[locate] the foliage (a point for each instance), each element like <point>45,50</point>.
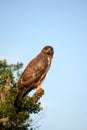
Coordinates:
<point>7,70</point>
<point>10,115</point>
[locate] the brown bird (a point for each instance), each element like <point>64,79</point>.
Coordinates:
<point>34,73</point>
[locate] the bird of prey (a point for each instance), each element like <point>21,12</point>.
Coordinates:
<point>34,73</point>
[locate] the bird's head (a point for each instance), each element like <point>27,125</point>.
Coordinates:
<point>48,50</point>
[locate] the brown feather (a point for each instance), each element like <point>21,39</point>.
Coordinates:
<point>34,73</point>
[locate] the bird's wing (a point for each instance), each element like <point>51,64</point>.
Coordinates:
<point>33,72</point>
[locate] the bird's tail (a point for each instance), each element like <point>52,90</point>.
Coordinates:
<point>19,98</point>
<point>21,93</point>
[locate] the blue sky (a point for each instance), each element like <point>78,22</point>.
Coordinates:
<point>26,26</point>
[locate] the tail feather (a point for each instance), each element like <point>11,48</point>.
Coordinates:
<point>18,100</point>
<point>21,93</point>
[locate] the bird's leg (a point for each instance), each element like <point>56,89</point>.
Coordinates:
<point>38,94</point>
<point>38,88</point>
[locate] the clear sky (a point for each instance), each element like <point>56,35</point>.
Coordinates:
<point>26,26</point>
